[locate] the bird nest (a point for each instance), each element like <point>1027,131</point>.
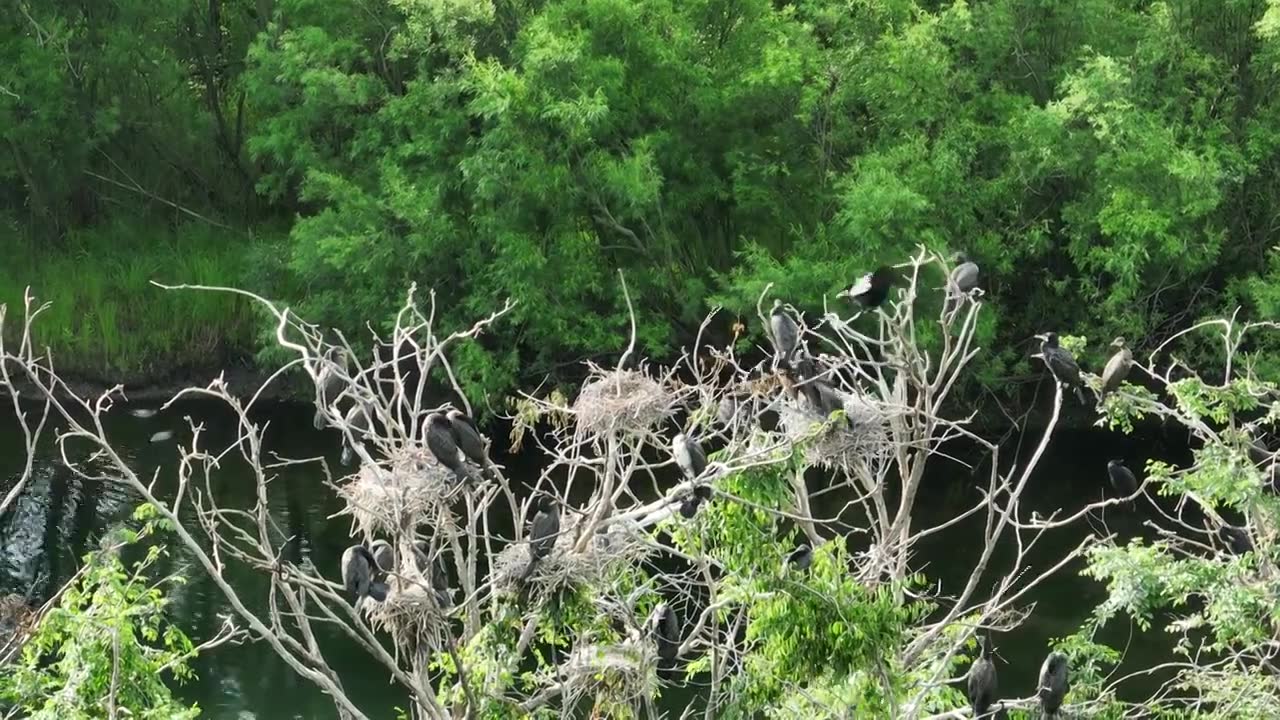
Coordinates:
<point>859,438</point>
<point>409,487</point>
<point>625,672</point>
<point>410,614</point>
<point>565,567</point>
<point>622,401</point>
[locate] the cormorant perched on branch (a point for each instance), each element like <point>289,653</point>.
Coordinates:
<point>439,578</point>
<point>689,455</point>
<point>800,558</point>
<point>872,289</point>
<point>1117,368</point>
<point>664,624</point>
<point>1235,539</point>
<point>1122,479</point>
<point>359,419</point>
<point>442,445</point>
<point>468,439</point>
<point>982,684</point>
<point>1061,363</point>
<point>357,575</point>
<point>543,529</point>
<point>964,277</point>
<point>329,382</point>
<point>786,333</point>
<point>1054,684</point>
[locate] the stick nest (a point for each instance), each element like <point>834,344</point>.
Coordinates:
<point>619,546</point>
<point>411,614</point>
<point>622,401</point>
<point>626,672</point>
<point>858,439</point>
<point>408,488</point>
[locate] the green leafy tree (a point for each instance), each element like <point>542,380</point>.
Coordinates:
<point>107,648</point>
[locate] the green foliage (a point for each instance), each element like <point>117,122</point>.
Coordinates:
<point>107,645</point>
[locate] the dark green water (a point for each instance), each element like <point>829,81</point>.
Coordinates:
<point>59,519</point>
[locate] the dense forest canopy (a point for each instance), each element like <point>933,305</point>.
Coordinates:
<point>1110,165</point>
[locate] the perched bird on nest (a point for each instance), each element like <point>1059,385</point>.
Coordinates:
<point>982,684</point>
<point>689,455</point>
<point>543,529</point>
<point>664,627</point>
<point>1117,368</point>
<point>872,289</point>
<point>1062,365</point>
<point>357,575</point>
<point>469,440</point>
<point>383,555</point>
<point>801,558</point>
<point>964,278</point>
<point>439,578</point>
<point>818,393</point>
<point>1054,684</point>
<point>329,382</point>
<point>786,333</point>
<point>442,445</point>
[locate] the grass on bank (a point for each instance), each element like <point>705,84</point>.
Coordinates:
<point>107,321</point>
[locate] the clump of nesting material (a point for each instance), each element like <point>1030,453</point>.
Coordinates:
<point>857,439</point>
<point>622,401</point>
<point>410,487</point>
<point>624,673</point>
<point>617,546</point>
<point>411,614</point>
<point>17,620</point>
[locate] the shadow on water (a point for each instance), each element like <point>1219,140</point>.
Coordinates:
<point>59,518</point>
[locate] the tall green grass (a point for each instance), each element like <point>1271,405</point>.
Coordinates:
<point>107,321</point>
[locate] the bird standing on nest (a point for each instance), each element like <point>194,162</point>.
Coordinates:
<point>383,556</point>
<point>543,529</point>
<point>469,440</point>
<point>357,575</point>
<point>786,334</point>
<point>440,442</point>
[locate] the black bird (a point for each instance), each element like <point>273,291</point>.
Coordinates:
<point>359,420</point>
<point>786,333</point>
<point>1122,479</point>
<point>357,575</point>
<point>1054,684</point>
<point>1235,539</point>
<point>383,556</point>
<point>873,289</point>
<point>543,529</point>
<point>689,507</point>
<point>689,455</point>
<point>821,396</point>
<point>1117,368</point>
<point>442,445</point>
<point>664,625</point>
<point>964,277</point>
<point>468,439</point>
<point>439,578</point>
<point>1061,364</point>
<point>800,558</point>
<point>982,680</point>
